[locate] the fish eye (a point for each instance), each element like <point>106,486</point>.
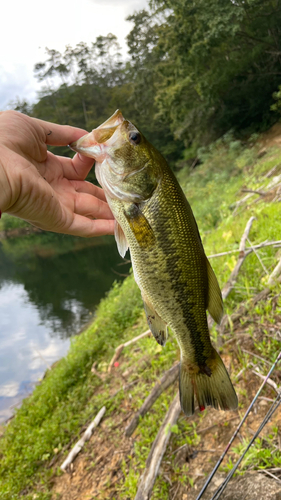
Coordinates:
<point>134,138</point>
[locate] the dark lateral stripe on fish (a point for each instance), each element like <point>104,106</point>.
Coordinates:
<point>185,296</point>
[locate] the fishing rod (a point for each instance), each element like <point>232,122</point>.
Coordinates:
<point>237,430</point>
<point>268,416</point>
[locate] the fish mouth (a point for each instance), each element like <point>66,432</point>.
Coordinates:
<point>91,144</point>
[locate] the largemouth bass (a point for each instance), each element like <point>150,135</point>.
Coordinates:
<point>176,280</point>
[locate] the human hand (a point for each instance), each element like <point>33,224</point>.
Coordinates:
<point>46,190</point>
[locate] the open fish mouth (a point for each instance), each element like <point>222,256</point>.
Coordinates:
<point>90,144</point>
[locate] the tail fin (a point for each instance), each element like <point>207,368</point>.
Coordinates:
<point>212,386</point>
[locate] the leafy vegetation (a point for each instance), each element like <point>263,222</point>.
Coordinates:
<point>64,401</point>
<point>201,79</point>
<point>70,395</point>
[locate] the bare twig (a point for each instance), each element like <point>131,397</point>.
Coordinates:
<point>269,381</point>
<point>254,191</point>
<point>271,171</point>
<point>233,277</point>
<point>168,378</point>
<point>117,354</point>
<point>86,436</point>
<point>258,257</point>
<point>157,451</point>
<point>256,356</point>
<point>176,491</point>
<point>206,429</point>
<point>95,372</point>
<point>243,310</point>
<point>274,277</point>
<point>120,348</point>
<point>271,475</point>
<point>247,250</point>
<point>240,202</point>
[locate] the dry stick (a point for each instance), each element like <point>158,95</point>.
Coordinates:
<point>233,277</point>
<point>95,372</point>
<point>275,274</point>
<point>268,381</point>
<point>254,191</point>
<point>120,348</point>
<point>256,356</point>
<point>271,475</point>
<point>237,430</point>
<point>157,451</point>
<point>86,436</point>
<point>247,250</point>
<point>258,257</point>
<point>243,309</point>
<point>168,379</point>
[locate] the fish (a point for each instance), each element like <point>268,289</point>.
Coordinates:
<point>178,285</point>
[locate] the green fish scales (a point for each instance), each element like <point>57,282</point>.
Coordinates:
<point>170,266</point>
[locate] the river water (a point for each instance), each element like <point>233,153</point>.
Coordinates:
<point>50,286</point>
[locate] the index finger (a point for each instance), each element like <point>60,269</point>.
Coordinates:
<point>59,135</point>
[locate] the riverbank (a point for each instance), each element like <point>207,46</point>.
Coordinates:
<point>232,184</point>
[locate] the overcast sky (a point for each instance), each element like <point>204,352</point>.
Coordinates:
<point>28,26</point>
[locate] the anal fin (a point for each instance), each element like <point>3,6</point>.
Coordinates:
<point>215,304</point>
<point>157,326</point>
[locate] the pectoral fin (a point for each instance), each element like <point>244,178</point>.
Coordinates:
<point>139,226</point>
<point>157,326</point>
<point>120,238</point>
<point>215,304</point>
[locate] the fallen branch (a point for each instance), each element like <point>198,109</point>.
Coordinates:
<point>168,379</point>
<point>86,436</point>
<point>120,348</point>
<point>157,451</point>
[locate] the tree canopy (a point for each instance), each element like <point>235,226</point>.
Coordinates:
<point>195,70</point>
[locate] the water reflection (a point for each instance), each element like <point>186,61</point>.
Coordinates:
<point>49,288</point>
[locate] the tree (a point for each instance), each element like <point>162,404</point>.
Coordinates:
<point>220,64</point>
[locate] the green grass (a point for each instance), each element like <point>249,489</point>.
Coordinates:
<point>60,406</point>
<point>263,454</point>
<point>70,396</point>
<point>8,222</point>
